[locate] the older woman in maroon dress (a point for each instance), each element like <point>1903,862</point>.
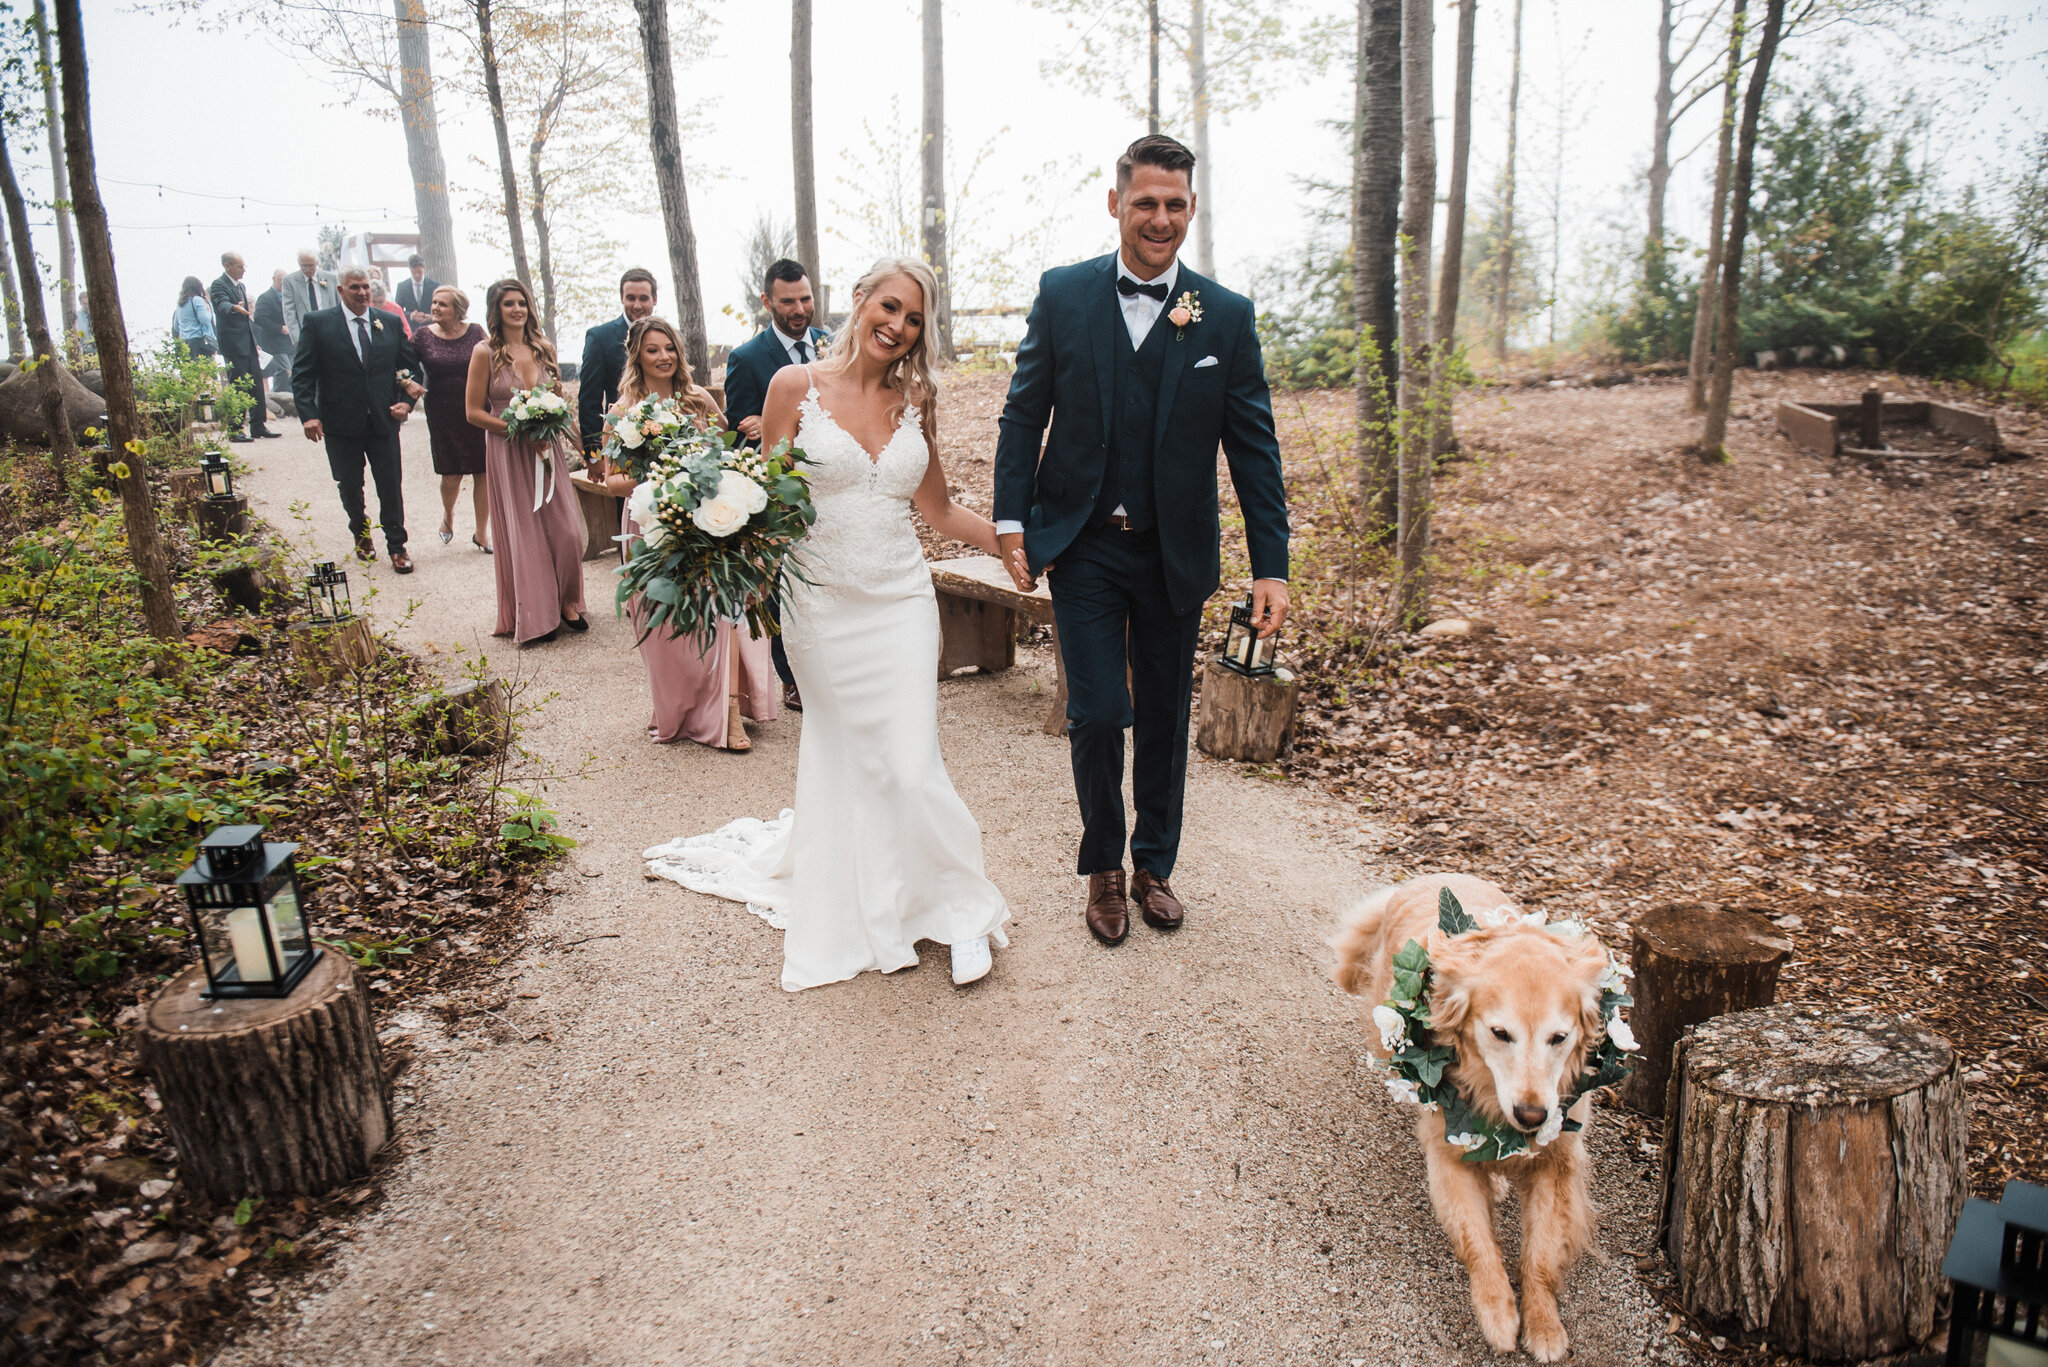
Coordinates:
<point>444,349</point>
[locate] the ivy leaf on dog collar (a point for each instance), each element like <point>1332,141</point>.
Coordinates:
<point>1451,916</point>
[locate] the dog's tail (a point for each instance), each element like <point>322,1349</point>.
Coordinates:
<point>1358,941</point>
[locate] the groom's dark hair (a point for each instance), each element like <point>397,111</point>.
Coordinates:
<point>1155,149</point>
<point>785,270</point>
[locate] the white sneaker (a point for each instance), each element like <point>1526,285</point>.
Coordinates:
<point>971,960</point>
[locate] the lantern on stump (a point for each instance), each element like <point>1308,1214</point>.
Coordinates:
<point>1244,652</point>
<point>327,593</point>
<point>220,479</point>
<point>1998,1268</point>
<point>243,893</point>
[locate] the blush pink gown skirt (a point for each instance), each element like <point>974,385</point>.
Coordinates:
<point>539,552</point>
<point>688,682</point>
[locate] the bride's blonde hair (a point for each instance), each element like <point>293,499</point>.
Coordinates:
<point>915,373</point>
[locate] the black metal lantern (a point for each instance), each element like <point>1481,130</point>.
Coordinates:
<point>327,593</point>
<point>1243,649</point>
<point>1998,1266</point>
<point>243,892</point>
<point>220,479</point>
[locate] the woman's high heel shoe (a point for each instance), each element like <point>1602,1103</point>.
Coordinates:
<point>735,726</point>
<point>447,533</point>
<point>480,545</point>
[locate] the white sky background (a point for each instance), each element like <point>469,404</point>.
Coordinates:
<point>230,115</point>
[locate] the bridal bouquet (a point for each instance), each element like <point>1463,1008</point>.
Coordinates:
<point>717,523</point>
<point>537,416</point>
<point>636,438</point>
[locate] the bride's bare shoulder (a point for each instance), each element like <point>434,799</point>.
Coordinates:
<point>790,383</point>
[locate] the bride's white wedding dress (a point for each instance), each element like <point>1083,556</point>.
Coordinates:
<point>880,851</point>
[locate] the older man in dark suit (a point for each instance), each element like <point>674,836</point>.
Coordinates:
<point>604,356</point>
<point>345,381</point>
<point>271,338</point>
<point>234,325</point>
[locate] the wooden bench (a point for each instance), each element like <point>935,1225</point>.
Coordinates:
<point>979,607</point>
<point>600,517</point>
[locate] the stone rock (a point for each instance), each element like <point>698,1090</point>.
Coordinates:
<point>93,380</point>
<point>124,1174</point>
<point>21,406</point>
<point>1447,626</point>
<point>227,638</point>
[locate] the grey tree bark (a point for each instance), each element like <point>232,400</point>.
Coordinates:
<point>60,201</point>
<point>1198,100</point>
<point>665,142</point>
<point>1503,288</point>
<point>1452,272</point>
<point>10,301</point>
<point>1152,86</point>
<point>1710,273</point>
<point>48,368</point>
<point>1714,433</point>
<point>934,177</point>
<point>1660,144</point>
<point>110,333</point>
<point>804,153</point>
<point>508,174</point>
<point>422,125</point>
<point>1375,225</point>
<point>1418,213</point>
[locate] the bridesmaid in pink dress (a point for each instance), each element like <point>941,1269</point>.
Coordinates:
<point>537,525</point>
<point>700,695</point>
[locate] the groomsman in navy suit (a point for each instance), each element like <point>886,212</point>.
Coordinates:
<point>1132,372</point>
<point>789,339</point>
<point>604,356</point>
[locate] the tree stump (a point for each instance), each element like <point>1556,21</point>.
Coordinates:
<point>1243,717</point>
<point>332,650</point>
<point>469,719</point>
<point>221,519</point>
<point>1812,1174</point>
<point>1693,963</point>
<point>271,1096</point>
<point>600,509</point>
<point>187,488</point>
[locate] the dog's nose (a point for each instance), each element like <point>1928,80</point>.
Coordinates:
<point>1530,1117</point>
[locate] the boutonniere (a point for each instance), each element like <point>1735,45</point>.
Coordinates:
<point>376,325</point>
<point>1187,310</point>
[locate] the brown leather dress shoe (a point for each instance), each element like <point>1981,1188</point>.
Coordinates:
<point>1156,902</point>
<point>792,699</point>
<point>401,562</point>
<point>366,550</point>
<point>1109,914</point>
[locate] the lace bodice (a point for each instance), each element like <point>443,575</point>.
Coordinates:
<point>863,534</point>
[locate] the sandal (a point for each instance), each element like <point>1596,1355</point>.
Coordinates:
<point>735,726</point>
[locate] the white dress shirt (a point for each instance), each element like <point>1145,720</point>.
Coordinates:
<point>791,344</point>
<point>1140,312</point>
<point>356,339</point>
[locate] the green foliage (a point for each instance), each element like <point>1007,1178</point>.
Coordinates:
<point>1305,318</point>
<point>529,827</point>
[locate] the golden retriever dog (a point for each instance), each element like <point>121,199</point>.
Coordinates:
<point>1521,1005</point>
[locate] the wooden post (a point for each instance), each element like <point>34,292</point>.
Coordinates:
<point>269,1096</point>
<point>1871,435</point>
<point>1243,717</point>
<point>1813,1171</point>
<point>1693,963</point>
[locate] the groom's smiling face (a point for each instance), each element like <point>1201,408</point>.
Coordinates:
<point>1152,215</point>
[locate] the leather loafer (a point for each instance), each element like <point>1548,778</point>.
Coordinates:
<point>366,550</point>
<point>792,699</point>
<point>1156,902</point>
<point>1109,913</point>
<point>401,562</point>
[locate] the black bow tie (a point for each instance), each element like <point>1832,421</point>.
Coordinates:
<point>1128,287</point>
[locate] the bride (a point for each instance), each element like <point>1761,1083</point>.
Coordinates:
<point>880,851</point>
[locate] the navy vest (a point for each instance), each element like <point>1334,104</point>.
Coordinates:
<point>1134,403</point>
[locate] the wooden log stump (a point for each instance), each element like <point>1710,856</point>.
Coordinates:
<point>1812,1173</point>
<point>332,650</point>
<point>272,1096</point>
<point>469,719</point>
<point>600,508</point>
<point>1244,717</point>
<point>221,519</point>
<point>1693,963</point>
<point>187,490</point>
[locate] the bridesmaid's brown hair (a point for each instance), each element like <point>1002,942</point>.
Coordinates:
<point>536,340</point>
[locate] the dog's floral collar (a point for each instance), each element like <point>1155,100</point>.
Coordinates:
<point>1418,1066</point>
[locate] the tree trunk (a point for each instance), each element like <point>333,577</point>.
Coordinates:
<point>805,154</point>
<point>508,176</point>
<point>110,333</point>
<point>1710,273</point>
<point>1245,718</point>
<point>1504,286</point>
<point>1693,963</point>
<point>1152,80</point>
<point>1198,103</point>
<point>60,202</point>
<point>1660,149</point>
<point>48,368</point>
<point>1713,437</point>
<point>10,300</point>
<point>543,258</point>
<point>1375,225</point>
<point>1445,437</point>
<point>1418,213</point>
<point>422,124</point>
<point>1813,1171</point>
<point>666,144</point>
<point>935,173</point>
<point>270,1096</point>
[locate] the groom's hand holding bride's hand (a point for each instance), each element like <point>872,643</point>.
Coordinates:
<point>1269,605</point>
<point>1011,547</point>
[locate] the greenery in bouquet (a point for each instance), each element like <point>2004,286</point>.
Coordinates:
<point>649,429</point>
<point>537,416</point>
<point>717,521</point>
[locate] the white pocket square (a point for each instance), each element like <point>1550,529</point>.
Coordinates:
<point>1206,360</point>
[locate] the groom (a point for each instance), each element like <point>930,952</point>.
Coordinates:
<point>1142,369</point>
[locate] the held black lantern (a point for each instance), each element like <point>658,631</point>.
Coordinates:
<point>327,593</point>
<point>220,479</point>
<point>243,893</point>
<point>1243,649</point>
<point>1998,1268</point>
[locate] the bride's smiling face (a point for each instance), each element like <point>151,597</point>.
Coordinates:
<point>891,319</point>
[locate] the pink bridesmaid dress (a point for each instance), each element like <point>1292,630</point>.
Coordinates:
<point>539,550</point>
<point>688,682</point>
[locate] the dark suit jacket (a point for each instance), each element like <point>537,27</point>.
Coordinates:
<point>415,300</point>
<point>597,379</point>
<point>1072,340</point>
<point>236,331</point>
<point>352,398</point>
<point>751,366</point>
<point>270,333</point>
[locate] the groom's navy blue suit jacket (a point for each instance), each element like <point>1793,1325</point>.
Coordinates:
<point>752,365</point>
<point>1065,373</point>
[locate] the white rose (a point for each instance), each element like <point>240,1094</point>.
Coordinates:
<point>734,487</point>
<point>1623,1037</point>
<point>1403,1090</point>
<point>718,517</point>
<point>629,434</point>
<point>641,503</point>
<point>1552,1128</point>
<point>1615,979</point>
<point>656,535</point>
<point>663,416</point>
<point>1393,1027</point>
<point>553,403</point>
<point>1464,1141</point>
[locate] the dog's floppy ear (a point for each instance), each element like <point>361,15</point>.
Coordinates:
<point>1586,958</point>
<point>1451,965</point>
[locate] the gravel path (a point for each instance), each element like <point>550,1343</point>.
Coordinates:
<point>1170,1152</point>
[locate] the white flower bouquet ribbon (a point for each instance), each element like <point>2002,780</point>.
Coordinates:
<point>543,474</point>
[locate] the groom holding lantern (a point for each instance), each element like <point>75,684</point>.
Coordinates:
<point>1141,369</point>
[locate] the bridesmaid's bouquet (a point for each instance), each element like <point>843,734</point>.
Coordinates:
<point>651,428</point>
<point>537,416</point>
<point>717,523</point>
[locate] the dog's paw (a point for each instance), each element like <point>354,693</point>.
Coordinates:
<point>1498,1320</point>
<point>1543,1335</point>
